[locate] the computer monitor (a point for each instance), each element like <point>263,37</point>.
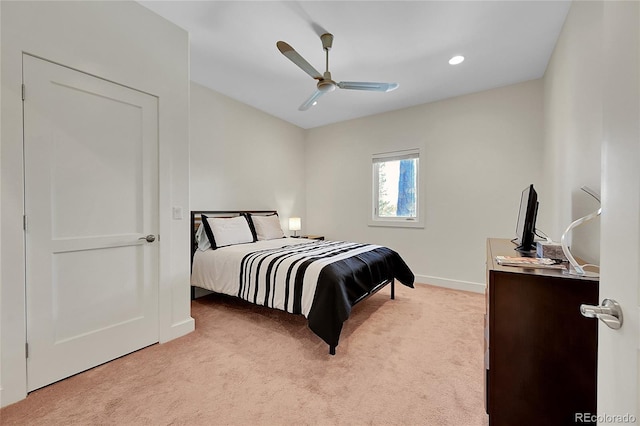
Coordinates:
<point>526,225</point>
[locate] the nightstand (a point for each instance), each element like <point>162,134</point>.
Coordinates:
<point>313,237</point>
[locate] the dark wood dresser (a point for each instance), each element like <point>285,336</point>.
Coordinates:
<point>540,352</point>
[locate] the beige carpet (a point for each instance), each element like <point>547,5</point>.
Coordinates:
<point>416,360</point>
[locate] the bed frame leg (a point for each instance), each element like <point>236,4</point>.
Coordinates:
<point>393,289</point>
<point>332,350</point>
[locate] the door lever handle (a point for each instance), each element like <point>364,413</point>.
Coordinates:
<point>609,312</point>
<point>150,238</point>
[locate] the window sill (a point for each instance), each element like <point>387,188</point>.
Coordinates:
<point>397,223</point>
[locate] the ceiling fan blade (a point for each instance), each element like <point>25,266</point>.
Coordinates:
<point>311,101</point>
<point>375,87</point>
<point>295,57</point>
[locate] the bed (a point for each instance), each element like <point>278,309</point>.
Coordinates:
<point>246,254</point>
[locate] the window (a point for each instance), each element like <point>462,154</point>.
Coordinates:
<point>395,189</point>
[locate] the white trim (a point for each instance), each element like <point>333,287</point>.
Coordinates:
<point>395,222</point>
<point>403,154</point>
<point>452,284</point>
<point>178,330</point>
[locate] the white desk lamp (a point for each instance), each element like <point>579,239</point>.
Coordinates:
<point>576,268</point>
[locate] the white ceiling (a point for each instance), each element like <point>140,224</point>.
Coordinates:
<point>233,50</point>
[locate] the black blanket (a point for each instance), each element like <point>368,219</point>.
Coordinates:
<point>345,273</point>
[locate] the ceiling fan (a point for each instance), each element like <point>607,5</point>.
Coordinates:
<point>325,83</point>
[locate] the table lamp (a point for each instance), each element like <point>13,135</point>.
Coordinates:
<point>294,225</point>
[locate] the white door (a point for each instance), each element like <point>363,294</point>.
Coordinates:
<point>91,193</point>
<point>618,355</point>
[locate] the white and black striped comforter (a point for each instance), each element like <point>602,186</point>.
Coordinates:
<point>318,279</point>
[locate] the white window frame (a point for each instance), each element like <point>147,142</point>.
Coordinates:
<point>401,222</point>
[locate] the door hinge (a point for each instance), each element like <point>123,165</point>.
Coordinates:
<point>26,350</point>
<point>24,222</point>
<point>23,90</point>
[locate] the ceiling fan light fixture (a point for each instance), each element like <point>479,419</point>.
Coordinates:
<point>326,86</point>
<point>456,60</point>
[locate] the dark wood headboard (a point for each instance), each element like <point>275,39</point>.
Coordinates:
<point>196,219</point>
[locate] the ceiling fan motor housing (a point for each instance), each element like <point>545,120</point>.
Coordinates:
<point>326,84</point>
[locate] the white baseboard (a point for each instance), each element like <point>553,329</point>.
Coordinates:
<point>452,284</point>
<point>13,395</point>
<point>178,330</point>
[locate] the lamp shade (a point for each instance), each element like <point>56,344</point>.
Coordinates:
<point>294,224</point>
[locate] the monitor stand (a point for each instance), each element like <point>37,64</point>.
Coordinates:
<point>526,253</point>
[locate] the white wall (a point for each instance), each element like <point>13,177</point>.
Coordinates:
<point>478,153</point>
<point>127,44</point>
<point>244,159</point>
<point>573,125</point>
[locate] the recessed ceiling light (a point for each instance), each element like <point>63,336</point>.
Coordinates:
<point>456,60</point>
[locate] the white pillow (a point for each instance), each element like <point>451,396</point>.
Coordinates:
<point>229,231</point>
<point>202,239</point>
<point>267,227</point>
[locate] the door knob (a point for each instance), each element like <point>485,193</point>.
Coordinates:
<point>609,312</point>
<point>150,238</point>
